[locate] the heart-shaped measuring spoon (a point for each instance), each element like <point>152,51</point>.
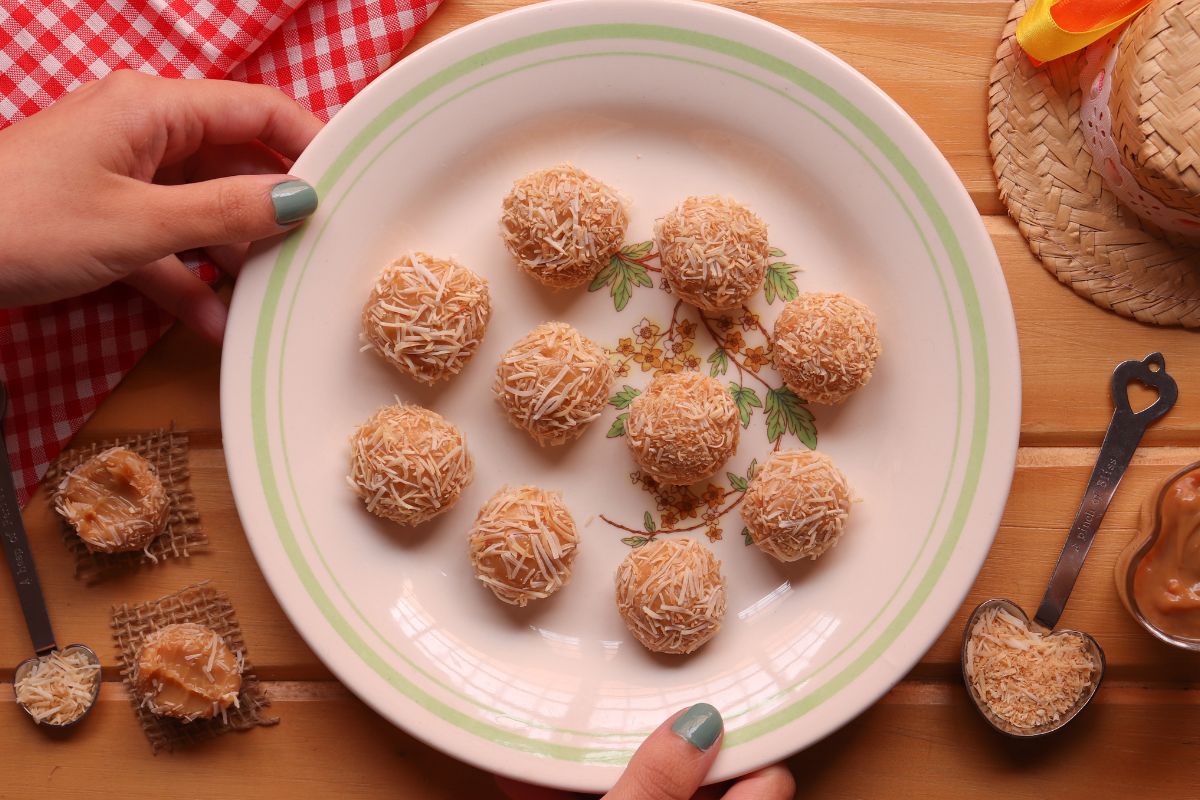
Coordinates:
<point>1124,433</point>
<point>29,589</point>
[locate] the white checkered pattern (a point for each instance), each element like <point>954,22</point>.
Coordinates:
<point>60,360</point>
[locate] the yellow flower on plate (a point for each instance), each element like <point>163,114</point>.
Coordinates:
<point>756,358</point>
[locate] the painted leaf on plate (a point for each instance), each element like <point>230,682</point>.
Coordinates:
<point>618,426</point>
<point>745,399</point>
<point>623,398</point>
<point>719,361</point>
<point>787,413</point>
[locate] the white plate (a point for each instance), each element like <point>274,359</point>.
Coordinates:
<point>661,99</point>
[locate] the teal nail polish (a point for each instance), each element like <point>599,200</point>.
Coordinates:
<point>700,726</point>
<point>293,201</point>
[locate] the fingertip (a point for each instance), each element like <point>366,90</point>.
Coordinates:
<point>293,201</point>
<point>673,761</point>
<point>700,726</point>
<point>206,315</point>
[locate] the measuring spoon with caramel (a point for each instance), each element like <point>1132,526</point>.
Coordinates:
<point>1028,679</point>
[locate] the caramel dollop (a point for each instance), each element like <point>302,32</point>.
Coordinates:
<point>114,501</point>
<point>187,671</point>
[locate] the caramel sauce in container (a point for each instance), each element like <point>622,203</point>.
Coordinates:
<point>1158,573</point>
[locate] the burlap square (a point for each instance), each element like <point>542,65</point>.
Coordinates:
<point>167,450</point>
<point>203,604</point>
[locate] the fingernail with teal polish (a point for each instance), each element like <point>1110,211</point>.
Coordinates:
<point>293,201</point>
<point>700,726</point>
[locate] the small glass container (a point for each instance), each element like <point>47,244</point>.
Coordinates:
<point>1152,572</point>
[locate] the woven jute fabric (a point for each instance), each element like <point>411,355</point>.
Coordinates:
<point>167,450</point>
<point>205,605</point>
<point>1075,226</point>
<point>1156,89</point>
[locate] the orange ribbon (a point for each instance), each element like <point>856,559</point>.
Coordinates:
<point>1052,28</point>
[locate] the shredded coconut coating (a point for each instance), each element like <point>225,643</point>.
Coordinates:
<point>58,688</point>
<point>523,544</point>
<point>562,225</point>
<point>408,464</point>
<point>553,382</point>
<point>682,428</point>
<point>187,671</point>
<point>1026,678</point>
<point>426,316</point>
<point>714,252</point>
<point>671,595</point>
<point>796,505</point>
<point>114,501</point>
<point>825,346</point>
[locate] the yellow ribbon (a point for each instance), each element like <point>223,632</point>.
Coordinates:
<point>1052,28</point>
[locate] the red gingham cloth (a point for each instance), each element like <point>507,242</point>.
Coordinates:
<point>60,360</point>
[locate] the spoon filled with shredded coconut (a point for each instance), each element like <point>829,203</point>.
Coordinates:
<point>1030,679</point>
<point>55,687</point>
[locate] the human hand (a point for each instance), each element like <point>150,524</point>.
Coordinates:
<point>672,763</point>
<point>113,180</point>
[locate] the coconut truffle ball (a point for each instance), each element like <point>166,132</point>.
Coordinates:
<point>714,252</point>
<point>796,505</point>
<point>682,428</point>
<point>408,464</point>
<point>553,382</point>
<point>523,544</point>
<point>426,316</point>
<point>825,346</point>
<point>562,225</point>
<point>671,595</point>
<point>114,501</point>
<point>187,671</point>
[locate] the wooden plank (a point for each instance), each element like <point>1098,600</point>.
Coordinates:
<point>1046,491</point>
<point>919,741</point>
<point>928,742</point>
<point>929,57</point>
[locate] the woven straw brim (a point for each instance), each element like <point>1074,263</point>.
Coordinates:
<point>1072,223</point>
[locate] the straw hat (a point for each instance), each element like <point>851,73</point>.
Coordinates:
<point>1098,159</point>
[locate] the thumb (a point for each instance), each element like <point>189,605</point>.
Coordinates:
<point>241,208</point>
<point>672,762</point>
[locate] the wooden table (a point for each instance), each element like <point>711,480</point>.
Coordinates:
<point>921,740</point>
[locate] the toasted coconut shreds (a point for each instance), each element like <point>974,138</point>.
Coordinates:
<point>562,225</point>
<point>796,505</point>
<point>523,544</point>
<point>58,688</point>
<point>671,595</point>
<point>714,251</point>
<point>682,428</point>
<point>553,382</point>
<point>1024,677</point>
<point>426,316</point>
<point>114,501</point>
<point>408,464</point>
<point>825,346</point>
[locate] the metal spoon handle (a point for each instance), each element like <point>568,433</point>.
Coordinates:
<point>1124,433</point>
<point>18,554</point>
